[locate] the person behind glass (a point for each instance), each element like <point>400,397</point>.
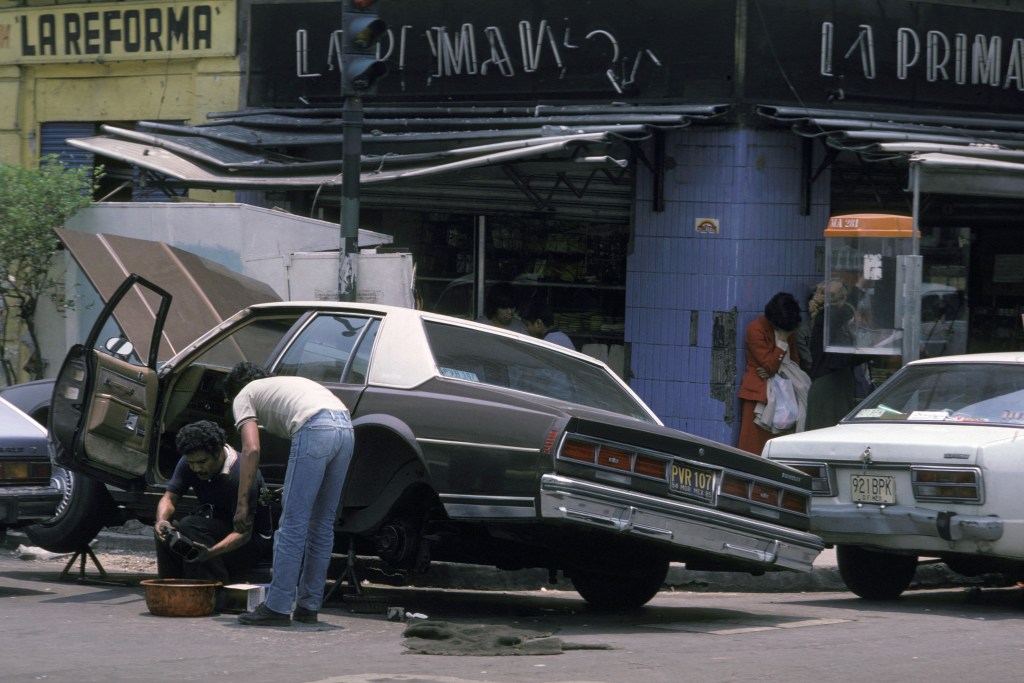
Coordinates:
<point>540,322</point>
<point>322,441</point>
<point>815,305</point>
<point>210,468</point>
<point>767,340</point>
<point>833,382</point>
<point>500,308</point>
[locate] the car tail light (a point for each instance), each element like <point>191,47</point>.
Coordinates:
<point>734,486</point>
<point>549,442</point>
<point>650,466</point>
<point>21,470</point>
<point>615,458</point>
<point>579,450</point>
<point>764,493</point>
<point>942,484</point>
<point>794,502</point>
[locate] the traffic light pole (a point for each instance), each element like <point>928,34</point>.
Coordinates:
<point>352,152</point>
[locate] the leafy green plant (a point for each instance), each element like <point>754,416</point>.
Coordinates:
<point>32,203</point>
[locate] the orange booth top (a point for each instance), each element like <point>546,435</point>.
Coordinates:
<point>870,225</point>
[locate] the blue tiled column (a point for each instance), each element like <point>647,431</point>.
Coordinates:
<point>750,181</point>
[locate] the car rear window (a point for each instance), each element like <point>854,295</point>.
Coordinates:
<point>969,393</point>
<point>476,356</point>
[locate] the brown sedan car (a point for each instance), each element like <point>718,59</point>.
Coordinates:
<point>473,444</point>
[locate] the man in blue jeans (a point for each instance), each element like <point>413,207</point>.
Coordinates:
<point>318,424</point>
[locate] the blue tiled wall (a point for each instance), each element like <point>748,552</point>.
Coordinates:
<point>750,180</point>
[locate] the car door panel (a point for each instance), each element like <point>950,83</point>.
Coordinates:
<point>103,404</point>
<point>119,423</point>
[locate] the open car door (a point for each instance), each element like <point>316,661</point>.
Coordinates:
<point>104,399</point>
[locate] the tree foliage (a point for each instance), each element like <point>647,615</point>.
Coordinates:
<point>32,203</point>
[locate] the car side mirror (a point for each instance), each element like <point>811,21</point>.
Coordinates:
<point>119,347</point>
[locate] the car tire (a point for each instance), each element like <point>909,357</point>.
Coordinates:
<point>620,591</point>
<point>84,509</point>
<point>875,575</point>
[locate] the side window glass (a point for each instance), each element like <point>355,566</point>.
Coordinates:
<point>474,356</point>
<point>360,364</point>
<point>322,349</point>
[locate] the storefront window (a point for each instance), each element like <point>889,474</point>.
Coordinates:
<point>578,269</point>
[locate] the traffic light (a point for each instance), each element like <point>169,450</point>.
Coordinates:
<point>362,31</point>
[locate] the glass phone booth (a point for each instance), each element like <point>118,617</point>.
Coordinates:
<point>873,255</point>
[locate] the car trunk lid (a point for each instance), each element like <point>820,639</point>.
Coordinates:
<point>895,444</point>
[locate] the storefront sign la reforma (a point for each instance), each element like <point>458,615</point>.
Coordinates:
<point>117,32</point>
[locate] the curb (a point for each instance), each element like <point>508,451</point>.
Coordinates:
<point>823,578</point>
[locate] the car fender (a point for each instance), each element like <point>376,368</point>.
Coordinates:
<point>386,463</point>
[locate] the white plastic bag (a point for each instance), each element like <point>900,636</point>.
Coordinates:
<point>787,410</point>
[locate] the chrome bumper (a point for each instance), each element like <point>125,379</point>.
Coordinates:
<point>902,520</point>
<point>678,524</point>
<point>26,503</point>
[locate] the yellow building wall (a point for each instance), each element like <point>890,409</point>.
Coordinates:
<point>112,90</point>
<point>112,87</point>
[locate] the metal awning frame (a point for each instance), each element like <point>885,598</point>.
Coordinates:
<point>974,156</point>
<point>255,149</point>
<point>191,171</point>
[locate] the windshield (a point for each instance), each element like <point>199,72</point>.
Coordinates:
<point>475,356</point>
<point>991,393</point>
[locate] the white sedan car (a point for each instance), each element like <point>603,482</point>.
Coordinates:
<point>930,465</point>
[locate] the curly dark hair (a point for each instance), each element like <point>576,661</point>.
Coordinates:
<point>200,436</point>
<point>783,311</point>
<point>500,295</point>
<point>240,375</point>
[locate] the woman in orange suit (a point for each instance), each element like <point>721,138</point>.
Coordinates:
<point>767,340</point>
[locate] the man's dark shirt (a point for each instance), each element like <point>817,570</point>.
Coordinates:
<point>221,493</point>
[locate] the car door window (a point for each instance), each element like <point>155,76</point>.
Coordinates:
<point>322,351</point>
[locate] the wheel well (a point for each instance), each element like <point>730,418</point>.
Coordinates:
<point>386,473</point>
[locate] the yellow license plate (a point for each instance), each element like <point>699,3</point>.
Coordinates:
<point>692,481</point>
<point>869,488</point>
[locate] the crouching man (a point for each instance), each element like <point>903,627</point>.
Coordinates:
<point>204,544</point>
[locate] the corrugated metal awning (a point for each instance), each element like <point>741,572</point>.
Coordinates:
<point>231,170</point>
<point>962,175</point>
<point>888,134</point>
<point>304,148</point>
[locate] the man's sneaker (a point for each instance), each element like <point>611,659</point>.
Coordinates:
<point>303,615</point>
<point>264,616</point>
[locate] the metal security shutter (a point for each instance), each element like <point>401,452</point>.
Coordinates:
<point>54,142</point>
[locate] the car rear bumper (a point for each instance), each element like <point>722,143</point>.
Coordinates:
<point>838,523</point>
<point>27,503</point>
<point>678,524</point>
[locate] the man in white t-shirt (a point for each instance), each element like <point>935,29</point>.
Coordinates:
<point>322,440</point>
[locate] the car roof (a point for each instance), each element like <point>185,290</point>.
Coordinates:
<point>401,340</point>
<point>1011,357</point>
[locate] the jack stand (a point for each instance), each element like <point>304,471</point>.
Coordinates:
<point>348,575</point>
<point>81,555</point>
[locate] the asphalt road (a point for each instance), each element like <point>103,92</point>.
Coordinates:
<point>66,630</point>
